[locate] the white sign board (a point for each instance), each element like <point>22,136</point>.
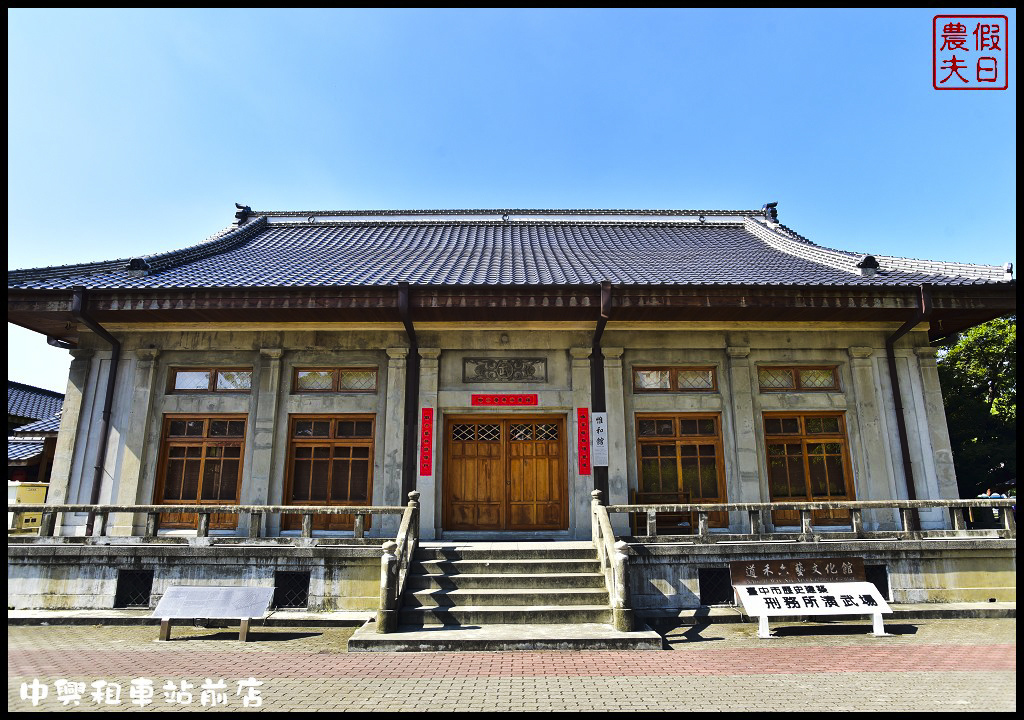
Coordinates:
<point>599,439</point>
<point>829,598</point>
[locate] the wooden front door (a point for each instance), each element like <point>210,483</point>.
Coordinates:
<point>505,473</point>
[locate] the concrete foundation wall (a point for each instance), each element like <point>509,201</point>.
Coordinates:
<point>666,577</point>
<point>58,577</point>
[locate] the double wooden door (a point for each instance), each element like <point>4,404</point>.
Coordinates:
<point>505,473</point>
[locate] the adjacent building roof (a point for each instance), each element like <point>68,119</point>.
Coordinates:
<point>39,427</point>
<point>503,247</point>
<point>23,450</point>
<point>25,401</point>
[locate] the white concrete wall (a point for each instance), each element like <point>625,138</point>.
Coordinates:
<point>735,350</point>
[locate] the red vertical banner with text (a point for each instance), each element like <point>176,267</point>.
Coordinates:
<point>583,439</point>
<point>427,441</point>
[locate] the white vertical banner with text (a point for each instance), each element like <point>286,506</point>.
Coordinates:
<point>599,439</point>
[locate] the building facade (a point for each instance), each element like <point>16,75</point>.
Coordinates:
<point>505,364</point>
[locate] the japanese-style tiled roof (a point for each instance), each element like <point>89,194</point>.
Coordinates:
<point>23,449</point>
<point>502,247</point>
<point>25,401</point>
<point>39,427</point>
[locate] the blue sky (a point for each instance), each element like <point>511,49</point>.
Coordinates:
<point>135,131</point>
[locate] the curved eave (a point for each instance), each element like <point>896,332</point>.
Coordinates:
<point>955,307</point>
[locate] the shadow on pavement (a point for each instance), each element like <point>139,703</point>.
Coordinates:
<point>824,628</point>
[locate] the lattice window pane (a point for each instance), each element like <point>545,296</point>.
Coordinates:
<point>547,431</point>
<point>701,379</point>
<point>234,380</point>
<point>358,380</point>
<point>315,380</point>
<point>817,378</point>
<point>651,379</point>
<point>488,432</point>
<point>776,378</point>
<point>192,380</point>
<point>521,432</point>
<point>463,432</point>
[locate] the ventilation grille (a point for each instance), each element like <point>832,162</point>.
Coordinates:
<point>134,588</point>
<point>291,590</point>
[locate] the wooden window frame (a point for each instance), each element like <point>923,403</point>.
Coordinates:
<point>327,522</point>
<point>822,517</point>
<point>218,521</point>
<point>212,386</point>
<point>336,372</point>
<point>715,519</point>
<point>797,385</point>
<point>673,378</point>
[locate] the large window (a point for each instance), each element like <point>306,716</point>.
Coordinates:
<point>201,464</point>
<point>330,462</point>
<point>808,460</point>
<point>680,458</point>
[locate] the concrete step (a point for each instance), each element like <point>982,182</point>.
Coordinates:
<point>530,597</point>
<point>527,566</point>
<point>438,581</point>
<point>505,615</point>
<point>552,551</point>
<point>502,638</point>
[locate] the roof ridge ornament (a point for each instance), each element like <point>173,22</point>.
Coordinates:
<point>244,211</point>
<point>868,266</point>
<point>771,212</point>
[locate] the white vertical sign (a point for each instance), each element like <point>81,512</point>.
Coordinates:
<point>599,439</point>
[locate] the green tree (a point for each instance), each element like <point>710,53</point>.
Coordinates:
<point>978,371</point>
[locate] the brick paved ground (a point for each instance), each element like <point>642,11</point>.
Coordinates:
<point>927,665</point>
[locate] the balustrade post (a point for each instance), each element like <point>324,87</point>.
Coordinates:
<point>907,519</point>
<point>595,526</point>
<point>100,526</point>
<point>152,522</point>
<point>856,522</point>
<point>957,515</point>
<point>204,525</point>
<point>1009,523</point>
<point>806,526</point>
<point>755,521</point>
<point>358,525</point>
<point>414,503</point>
<point>307,525</point>
<point>703,531</point>
<point>387,613</point>
<point>48,524</point>
<point>255,523</point>
<point>652,523</point>
<point>622,613</point>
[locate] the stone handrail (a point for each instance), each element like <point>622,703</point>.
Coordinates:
<point>255,514</point>
<point>614,564</point>
<point>907,510</point>
<point>395,562</point>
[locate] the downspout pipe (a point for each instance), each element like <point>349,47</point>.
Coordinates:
<point>923,312</point>
<point>598,398</point>
<point>412,394</point>
<point>78,310</point>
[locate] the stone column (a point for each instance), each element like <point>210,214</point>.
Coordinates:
<point>429,485</point>
<point>875,481</point>
<point>390,483</point>
<point>938,431</point>
<point>746,485</point>
<point>618,487</point>
<point>63,456</point>
<point>580,486</point>
<point>256,483</point>
<point>126,491</point>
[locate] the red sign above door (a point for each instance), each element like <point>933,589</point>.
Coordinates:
<point>521,399</point>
